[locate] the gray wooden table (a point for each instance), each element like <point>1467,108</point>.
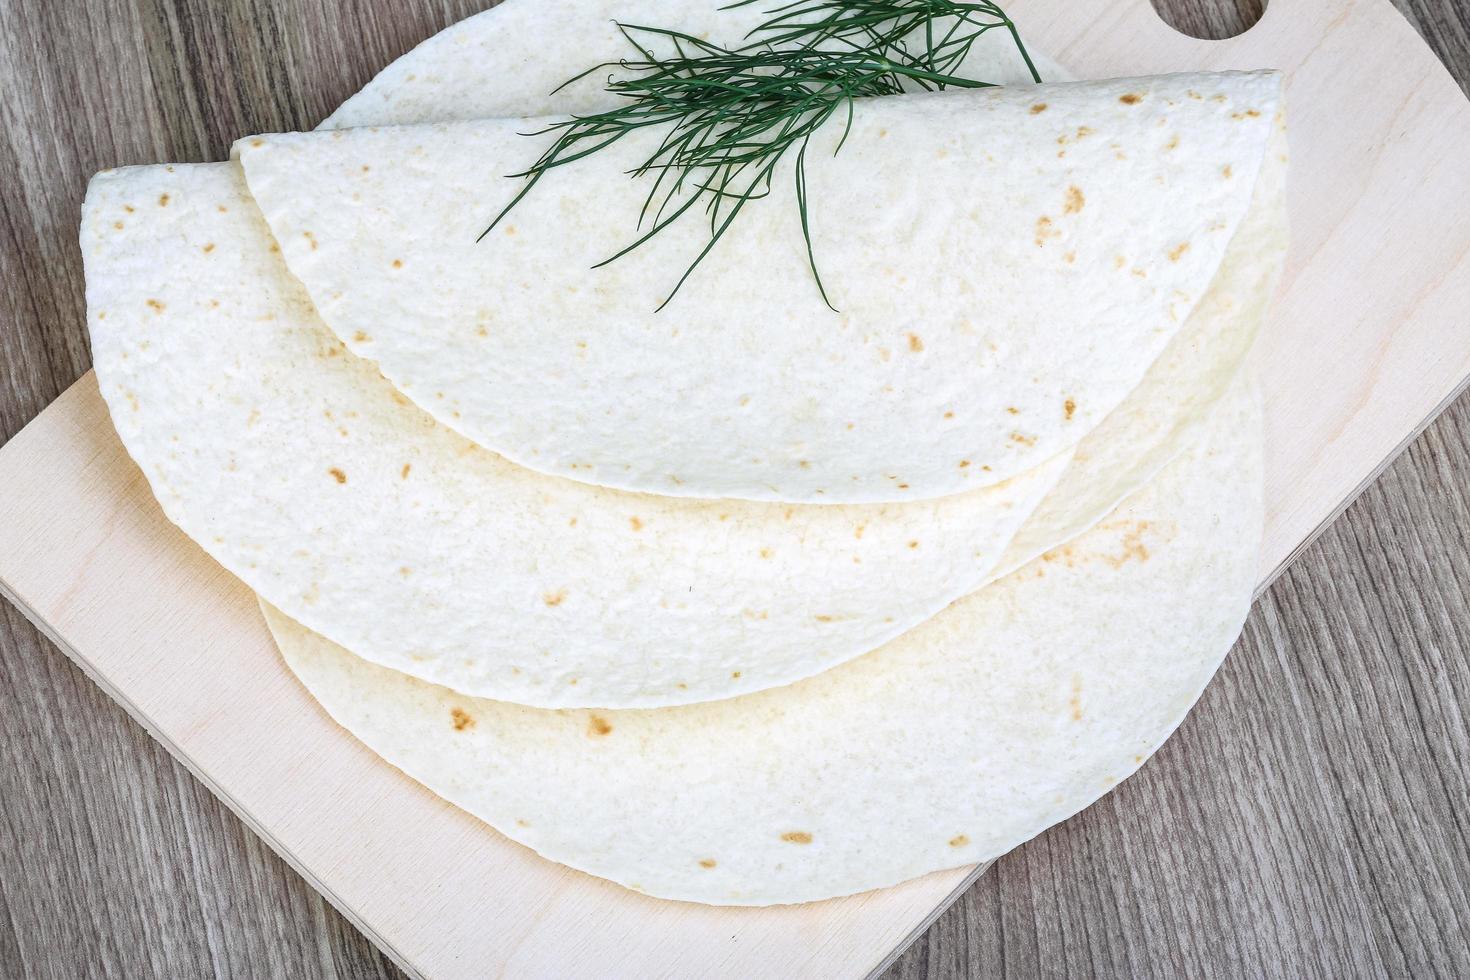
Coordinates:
<point>1311,818</point>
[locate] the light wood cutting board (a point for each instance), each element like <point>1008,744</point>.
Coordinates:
<point>1369,338</point>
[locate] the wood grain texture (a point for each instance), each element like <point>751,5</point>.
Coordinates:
<point>1308,820</point>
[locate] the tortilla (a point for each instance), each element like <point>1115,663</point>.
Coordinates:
<point>300,469</point>
<point>1165,411</point>
<point>992,314</point>
<point>503,596</point>
<point>493,64</point>
<point>1006,713</point>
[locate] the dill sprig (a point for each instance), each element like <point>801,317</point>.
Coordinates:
<point>732,115</point>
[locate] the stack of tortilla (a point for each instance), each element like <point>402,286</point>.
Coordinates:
<point>743,601</point>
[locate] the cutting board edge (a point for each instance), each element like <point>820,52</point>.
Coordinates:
<point>1337,511</point>
<point>180,755</point>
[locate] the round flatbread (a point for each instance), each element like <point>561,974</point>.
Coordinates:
<point>304,472</point>
<point>1004,714</point>
<point>991,314</point>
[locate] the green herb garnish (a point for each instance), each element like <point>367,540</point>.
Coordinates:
<point>732,114</point>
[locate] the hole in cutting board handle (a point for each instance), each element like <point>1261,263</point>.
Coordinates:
<point>1210,20</point>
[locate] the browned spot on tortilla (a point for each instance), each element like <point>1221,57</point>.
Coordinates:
<point>222,209</point>
<point>1228,171</point>
<point>635,523</point>
<point>1137,759</point>
<point>882,134</point>
<point>766,552</point>
<point>405,571</point>
<point>959,841</point>
<point>598,725</point>
<point>461,719</point>
<point>1173,143</point>
<point>275,247</point>
<point>360,337</point>
<point>1045,228</point>
<point>1134,548</point>
<point>964,463</point>
<point>797,837</point>
<point>403,473</point>
<point>118,225</point>
<point>1075,200</point>
<point>1012,410</point>
<point>1083,132</point>
<point>1247,114</point>
<point>310,238</point>
<point>129,208</point>
<point>1038,108</point>
<point>1022,440</point>
<point>257,142</point>
<point>1140,273</point>
<point>338,475</point>
<point>1119,262</point>
<point>573,682</point>
<point>804,464</point>
<point>1068,408</point>
<point>913,544</point>
<point>949,415</point>
<point>554,598</point>
<point>857,532</point>
<point>823,619</point>
<point>521,823</point>
<point>706,862</point>
<point>1177,252</point>
<point>1130,99</point>
<point>1076,701</point>
<point>903,486</point>
<point>155,306</point>
<point>735,675</point>
<point>397,263</point>
<point>510,229</point>
<point>1069,258</point>
<point>1194,95</point>
<point>915,344</point>
<point>163,200</point>
<point>208,247</point>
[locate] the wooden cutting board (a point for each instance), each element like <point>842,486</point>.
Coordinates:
<point>1369,338</point>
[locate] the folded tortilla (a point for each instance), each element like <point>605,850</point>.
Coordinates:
<point>437,558</point>
<point>1008,264</point>
<point>302,552</point>
<point>300,469</point>
<point>493,64</point>
<point>1006,713</point>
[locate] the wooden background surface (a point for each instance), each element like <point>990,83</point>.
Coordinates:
<point>1311,818</point>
